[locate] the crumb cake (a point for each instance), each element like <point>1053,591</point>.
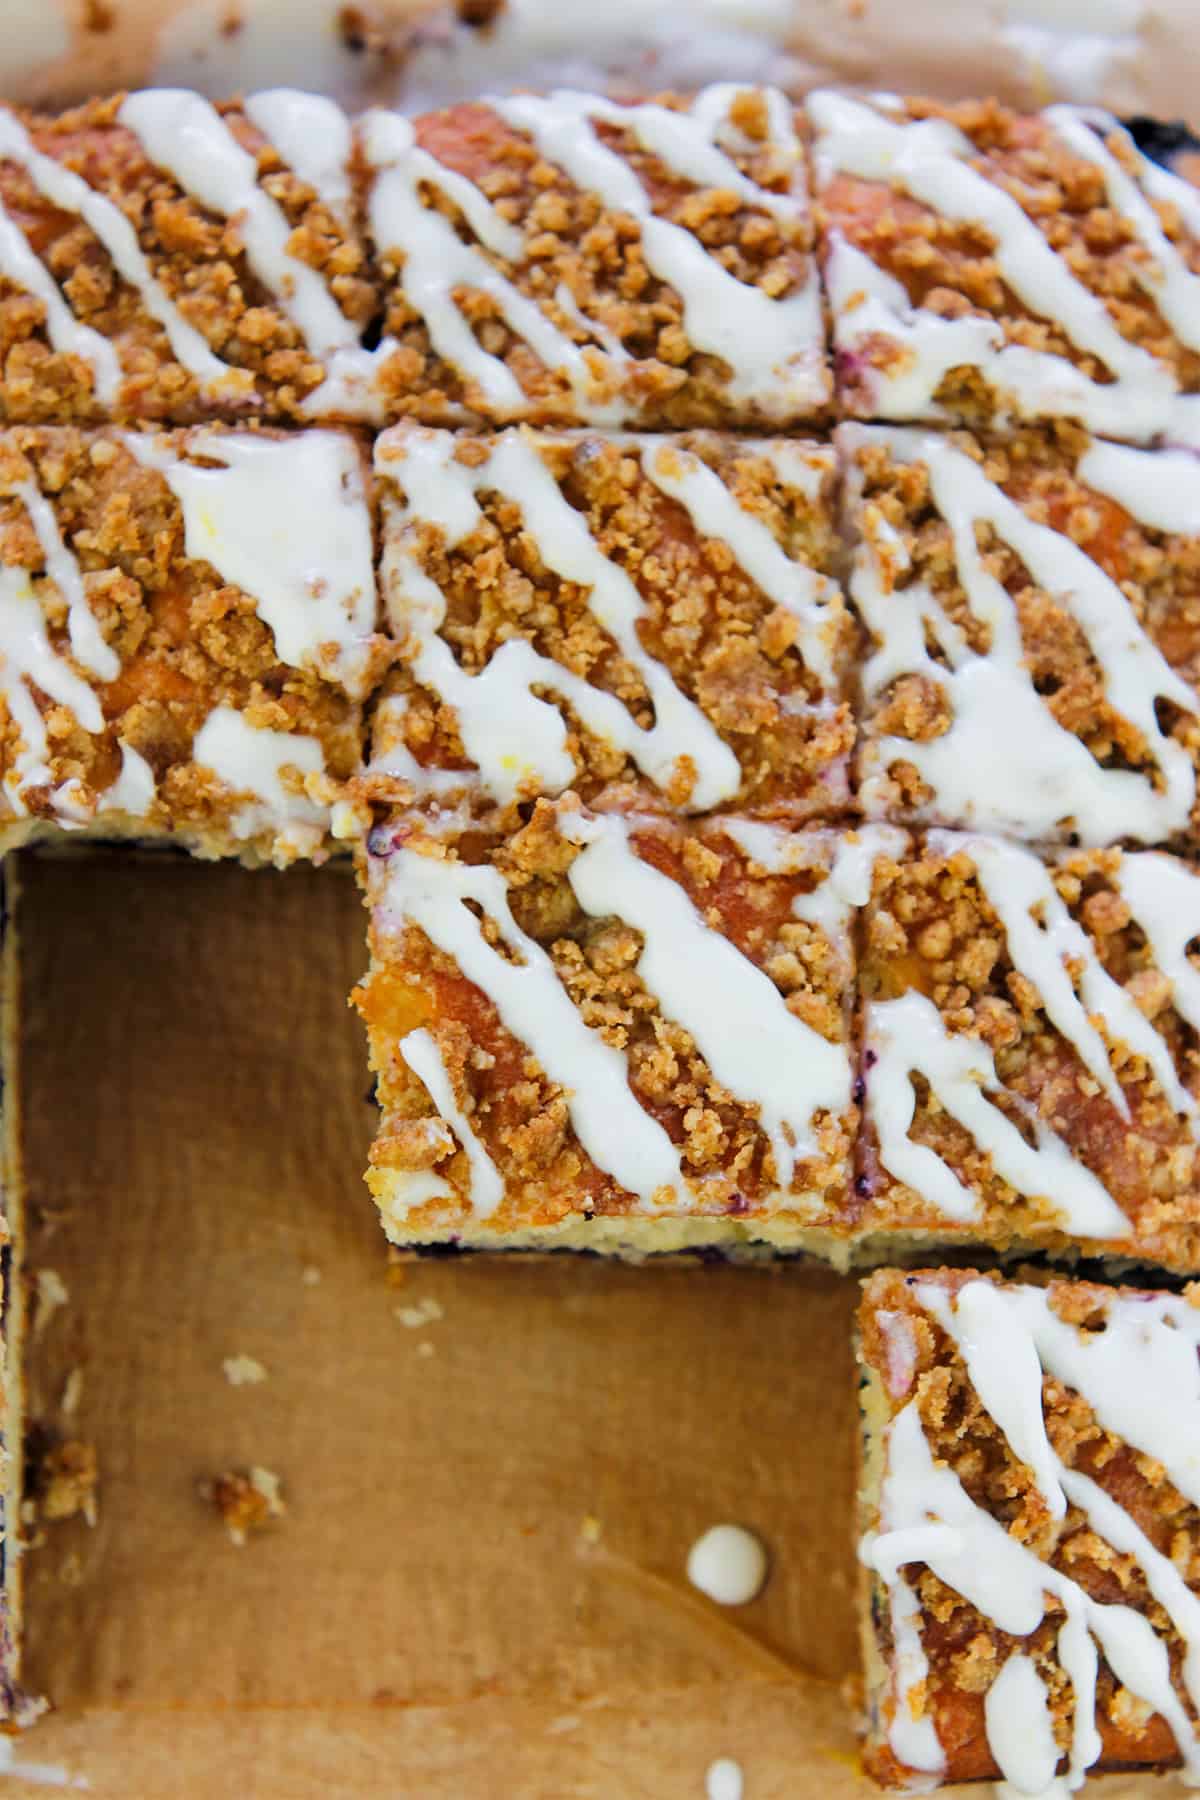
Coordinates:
<point>982,265</point>
<point>1033,609</point>
<point>610,1031</point>
<point>566,259</point>
<point>650,619</point>
<point>1029,1051</point>
<point>1031,1512</point>
<point>163,258</point>
<point>188,631</point>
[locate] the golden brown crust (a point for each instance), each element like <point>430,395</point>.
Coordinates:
<point>914,1359</point>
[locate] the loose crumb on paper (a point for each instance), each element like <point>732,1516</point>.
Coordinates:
<point>72,1393</point>
<point>566,1722</point>
<point>425,1312</point>
<point>65,1482</point>
<point>311,1277</point>
<point>243,1371</point>
<point>590,1530</point>
<point>425,1348</point>
<point>245,1501</point>
<point>51,1294</point>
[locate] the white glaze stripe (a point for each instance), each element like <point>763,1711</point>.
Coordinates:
<point>930,160</point>
<point>1004,764</point>
<point>251,761</point>
<point>420,1051</point>
<point>741,1026</point>
<point>510,733</point>
<point>286,520</point>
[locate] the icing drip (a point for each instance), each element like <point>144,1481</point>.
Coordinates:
<point>1004,764</point>
<point>513,736</point>
<point>1141,1377</point>
<point>27,656</point>
<point>286,520</point>
<point>770,346</point>
<point>762,1053</point>
<point>251,761</point>
<point>615,1132</point>
<point>930,160</point>
<point>134,788</point>
<point>421,1053</point>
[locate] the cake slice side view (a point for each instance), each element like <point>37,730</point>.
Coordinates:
<point>1031,1516</point>
<point>188,624</point>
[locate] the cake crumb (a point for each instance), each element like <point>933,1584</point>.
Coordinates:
<point>311,1277</point>
<point>590,1530</point>
<point>425,1312</point>
<point>246,1502</point>
<point>51,1294</point>
<point>65,1481</point>
<point>425,1348</point>
<point>243,1371</point>
<point>70,1571</point>
<point>72,1392</point>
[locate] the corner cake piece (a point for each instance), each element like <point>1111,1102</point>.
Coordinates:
<point>982,265</point>
<point>569,260</point>
<point>610,1032</point>
<point>162,258</point>
<point>1033,605</point>
<point>1030,1051</point>
<point>187,632</point>
<point>1031,1504</point>
<point>646,619</point>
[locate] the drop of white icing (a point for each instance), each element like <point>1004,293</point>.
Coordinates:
<point>729,1564</point>
<point>723,1780</point>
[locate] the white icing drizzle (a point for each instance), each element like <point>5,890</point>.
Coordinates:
<point>809,596</point>
<point>772,347</point>
<point>1004,764</point>
<point>846,877</point>
<point>1019,1727</point>
<point>185,135</point>
<point>509,732</point>
<point>616,1133</point>
<point>390,755</point>
<point>134,788</point>
<point>251,761</point>
<point>70,193</point>
<point>88,645</point>
<point>1042,937</point>
<point>420,1051</point>
<point>1141,1378</point>
<point>1164,897</point>
<point>908,1036</point>
<point>762,1053</point>
<point>929,160</point>
<point>27,655</point>
<point>1161,488</point>
<point>286,520</point>
<point>723,1780</point>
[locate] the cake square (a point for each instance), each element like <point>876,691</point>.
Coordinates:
<point>163,258</point>
<point>187,634</point>
<point>566,259</point>
<point>1031,1512</point>
<point>1030,1066</point>
<point>983,265</point>
<point>652,620</point>
<point>1033,608</point>
<point>611,1032</point>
